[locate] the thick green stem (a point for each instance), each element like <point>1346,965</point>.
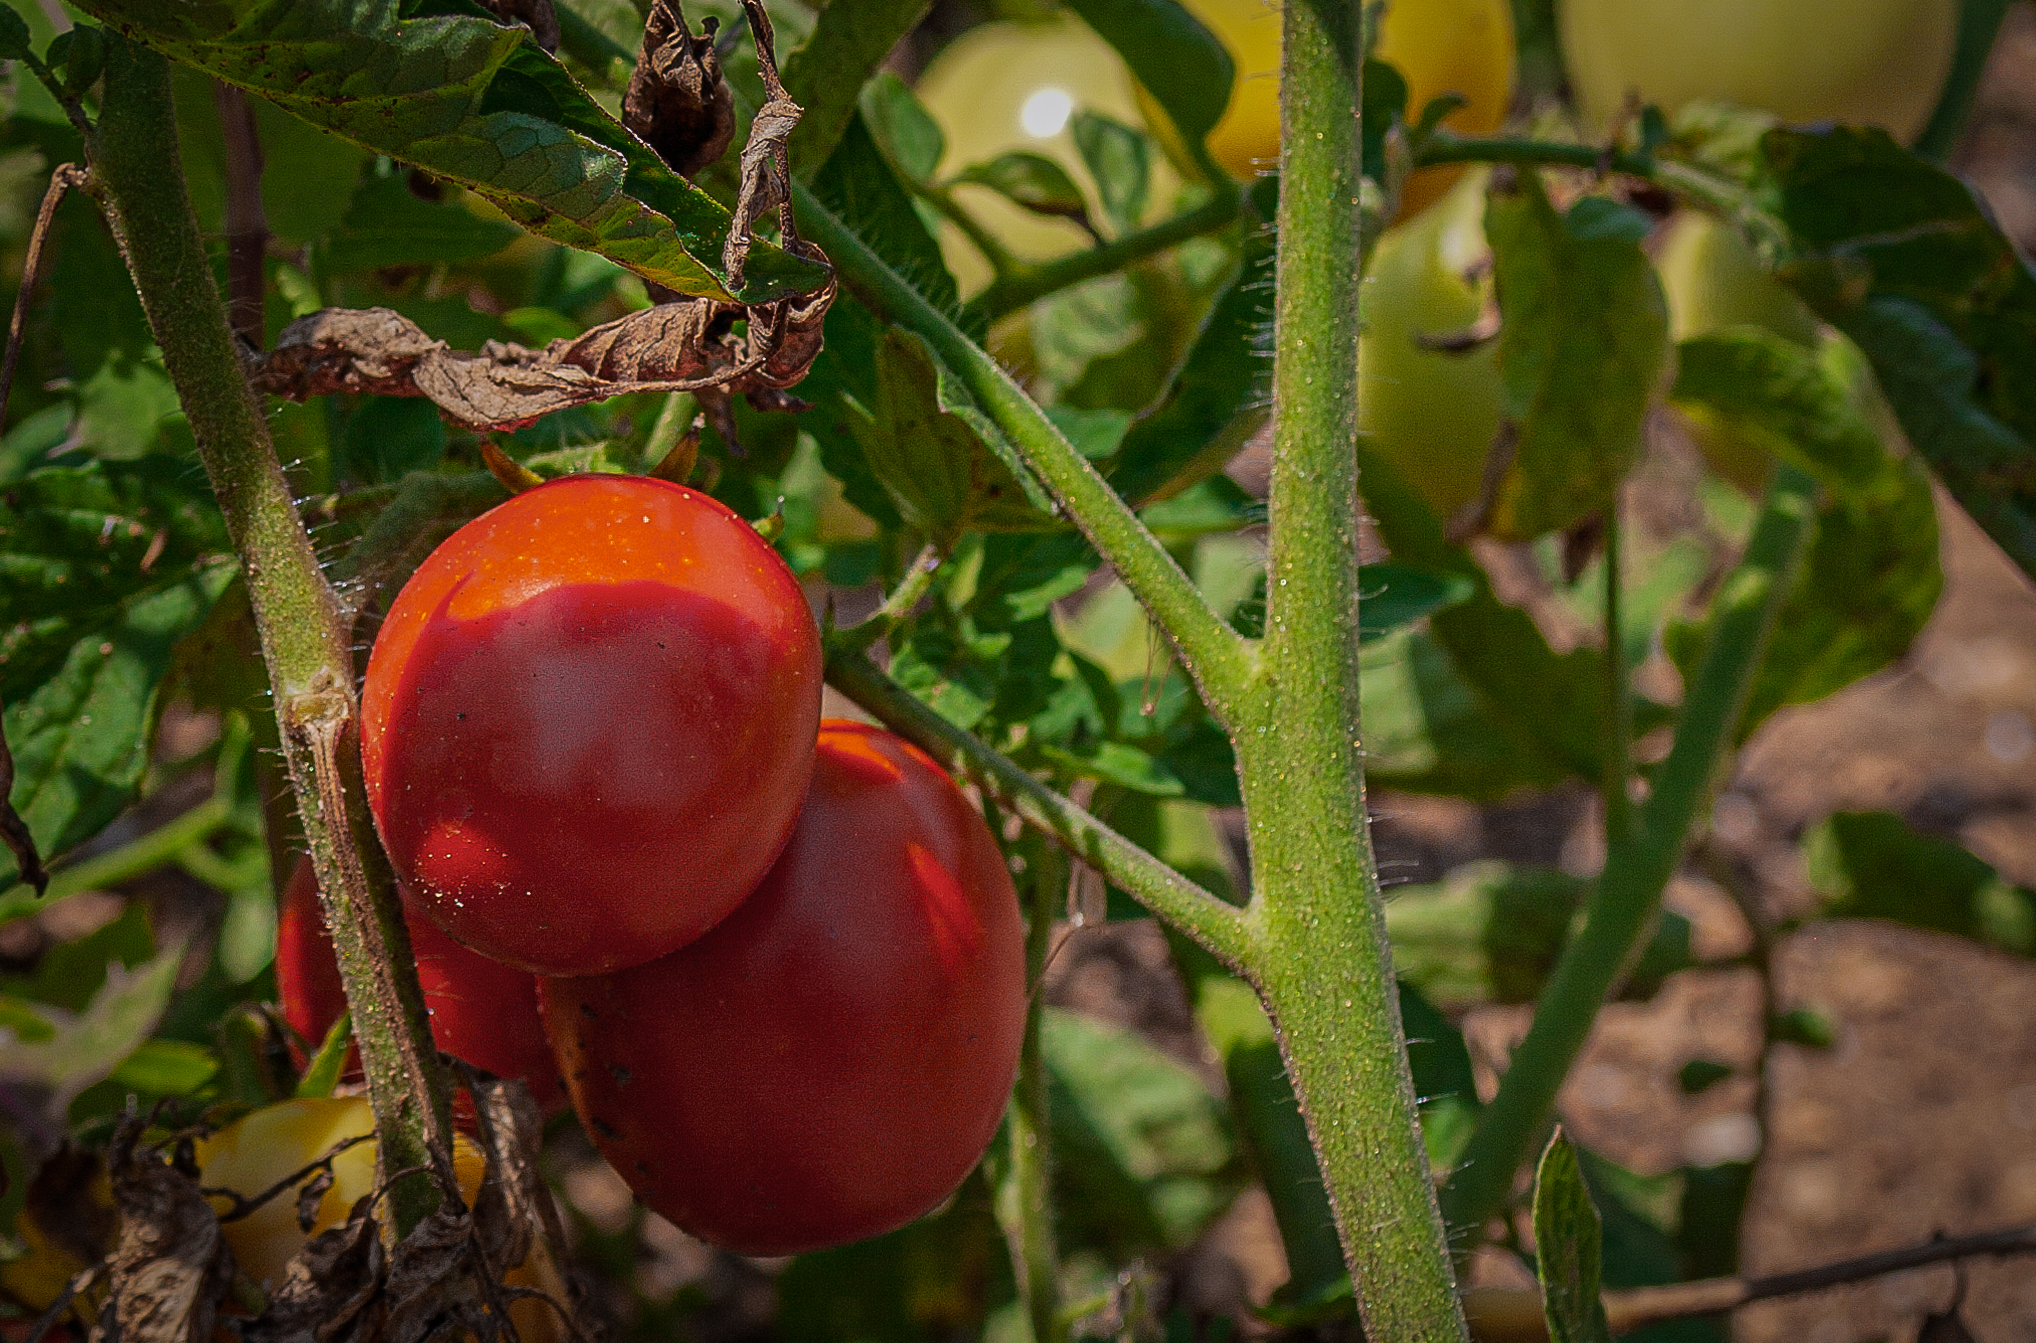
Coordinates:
<point>305,640</point>
<point>1628,894</point>
<point>1213,654</point>
<point>1217,925</point>
<point>1026,282</point>
<point>1979,22</point>
<point>1025,1193</point>
<point>1321,960</point>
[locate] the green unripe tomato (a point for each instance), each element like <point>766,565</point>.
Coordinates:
<point>1859,62</point>
<point>1712,279</point>
<point>1432,414</point>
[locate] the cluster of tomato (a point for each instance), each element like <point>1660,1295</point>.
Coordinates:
<point>1434,414</point>
<point>776,963</point>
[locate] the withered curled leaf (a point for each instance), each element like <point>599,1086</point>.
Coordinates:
<point>677,102</point>
<point>766,180</point>
<point>331,1290</point>
<point>170,1265</point>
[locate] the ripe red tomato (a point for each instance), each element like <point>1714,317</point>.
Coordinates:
<point>833,1059</point>
<point>481,1010</point>
<point>588,723</point>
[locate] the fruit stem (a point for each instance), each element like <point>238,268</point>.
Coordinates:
<point>1627,898</point>
<point>1025,1193</point>
<point>1216,657</point>
<point>306,641</point>
<point>1214,923</point>
<point>1320,959</point>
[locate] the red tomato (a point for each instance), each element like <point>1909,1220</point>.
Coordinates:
<point>481,1010</point>
<point>588,723</point>
<point>832,1060</point>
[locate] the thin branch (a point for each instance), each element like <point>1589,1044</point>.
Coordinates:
<point>1513,1315</point>
<point>1024,1202</point>
<point>1217,925</point>
<point>1628,893</point>
<point>857,638</point>
<point>66,176</point>
<point>1217,658</point>
<point>1618,692</point>
<point>1979,23</point>
<point>1711,189</point>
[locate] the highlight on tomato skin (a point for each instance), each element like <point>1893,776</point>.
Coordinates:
<point>588,722</point>
<point>481,1010</point>
<point>832,1060</point>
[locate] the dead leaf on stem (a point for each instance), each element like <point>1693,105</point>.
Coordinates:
<point>677,102</point>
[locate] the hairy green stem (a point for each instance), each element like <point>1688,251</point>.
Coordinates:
<point>1628,894</point>
<point>1618,693</point>
<point>305,639</point>
<point>1216,657</point>
<point>1706,188</point>
<point>1025,1193</point>
<point>1215,924</point>
<point>1979,23</point>
<point>1026,282</point>
<point>1321,960</point>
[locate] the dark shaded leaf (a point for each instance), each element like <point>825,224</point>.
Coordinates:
<point>476,103</point>
<point>828,73</point>
<point>1871,865</point>
<point>387,225</point>
<point>1905,259</point>
<point>902,127</point>
<point>1181,63</point>
<point>858,184</point>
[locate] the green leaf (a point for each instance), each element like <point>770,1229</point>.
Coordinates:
<point>1568,1245</point>
<point>1032,181</point>
<point>1584,342</point>
<point>828,73</point>
<point>1181,63</point>
<point>80,739</point>
<point>902,127</point>
<point>1427,727</point>
<point>1485,685</point>
<point>1120,160</point>
<point>24,1019</point>
<point>476,103</point>
<point>1903,257</point>
<point>1218,397</point>
<point>84,1047</point>
<point>1700,1075</point>
<point>166,1068</point>
<point>322,1074</point>
<point>1866,589</point>
<point>117,383</point>
<point>1777,398</point>
<point>945,465</point>
<point>387,437</point>
<point>1143,1153</point>
<point>1871,865</point>
<point>387,225</point>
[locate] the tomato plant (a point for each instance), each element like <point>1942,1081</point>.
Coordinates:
<point>481,1010</point>
<point>1097,535</point>
<point>588,722</point>
<point>830,1061</point>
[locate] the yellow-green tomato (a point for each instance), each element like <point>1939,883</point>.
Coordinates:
<point>1440,46</point>
<point>1015,86</point>
<point>1712,279</point>
<point>1864,62</point>
<point>1432,414</point>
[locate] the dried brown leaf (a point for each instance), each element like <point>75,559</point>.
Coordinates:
<point>677,102</point>
<point>766,177</point>
<point>170,1266</point>
<point>331,1290</point>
